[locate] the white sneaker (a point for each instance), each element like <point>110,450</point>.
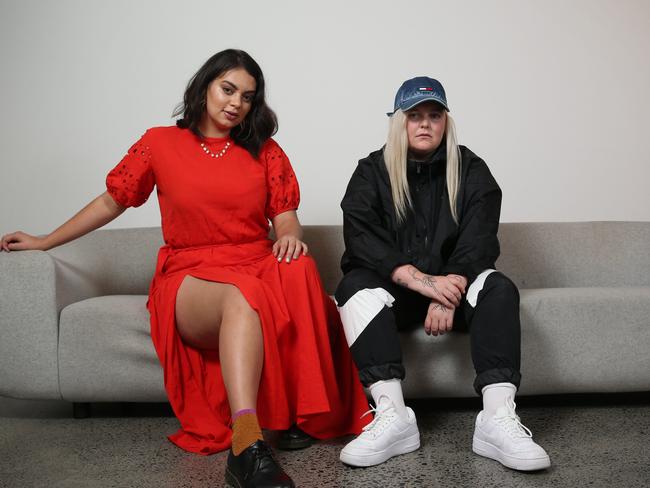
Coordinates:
<point>386,436</point>
<point>505,439</point>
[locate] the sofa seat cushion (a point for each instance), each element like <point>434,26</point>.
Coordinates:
<point>105,348</point>
<point>106,353</point>
<point>573,340</point>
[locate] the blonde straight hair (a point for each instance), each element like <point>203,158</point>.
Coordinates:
<point>396,153</point>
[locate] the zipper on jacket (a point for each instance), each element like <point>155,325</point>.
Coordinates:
<point>430,225</point>
<point>418,167</point>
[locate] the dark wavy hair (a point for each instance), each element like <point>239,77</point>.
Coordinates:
<point>261,122</point>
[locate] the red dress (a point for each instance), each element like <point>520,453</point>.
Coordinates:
<point>215,222</point>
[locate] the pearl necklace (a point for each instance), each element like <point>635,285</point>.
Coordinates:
<point>215,155</point>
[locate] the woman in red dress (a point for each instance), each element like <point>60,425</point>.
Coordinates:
<point>242,326</point>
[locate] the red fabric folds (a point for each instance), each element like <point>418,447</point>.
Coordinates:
<point>215,221</point>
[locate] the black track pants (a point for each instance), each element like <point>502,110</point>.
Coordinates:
<point>374,309</point>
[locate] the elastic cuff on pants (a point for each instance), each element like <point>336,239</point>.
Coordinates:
<point>496,375</point>
<point>388,371</point>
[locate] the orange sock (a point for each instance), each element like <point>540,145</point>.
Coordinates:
<point>245,430</point>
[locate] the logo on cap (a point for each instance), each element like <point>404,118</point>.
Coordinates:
<point>419,90</point>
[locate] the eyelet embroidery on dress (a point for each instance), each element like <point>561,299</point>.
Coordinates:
<point>136,162</point>
<point>283,191</point>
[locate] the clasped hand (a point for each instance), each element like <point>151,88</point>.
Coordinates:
<point>440,317</point>
<point>288,248</point>
<point>446,290</point>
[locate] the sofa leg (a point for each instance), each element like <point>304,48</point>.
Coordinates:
<point>81,410</point>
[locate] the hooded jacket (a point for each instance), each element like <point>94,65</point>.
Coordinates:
<point>428,237</point>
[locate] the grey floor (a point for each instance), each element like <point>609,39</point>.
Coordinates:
<point>593,441</point>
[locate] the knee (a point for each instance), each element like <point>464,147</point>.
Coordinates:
<point>236,305</point>
<point>302,266</point>
<point>503,286</point>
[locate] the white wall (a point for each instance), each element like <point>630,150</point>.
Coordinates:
<point>552,94</point>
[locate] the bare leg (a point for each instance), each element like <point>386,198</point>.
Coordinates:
<point>241,353</point>
<point>217,316</point>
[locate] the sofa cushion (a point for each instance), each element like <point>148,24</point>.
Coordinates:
<point>573,340</point>
<point>106,353</point>
<point>575,254</point>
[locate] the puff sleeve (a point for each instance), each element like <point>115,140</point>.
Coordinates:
<point>283,193</point>
<point>131,182</point>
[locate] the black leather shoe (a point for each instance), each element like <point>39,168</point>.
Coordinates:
<point>294,438</point>
<point>256,467</point>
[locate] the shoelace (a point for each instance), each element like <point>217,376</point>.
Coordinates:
<point>383,418</point>
<point>264,451</point>
<point>512,423</point>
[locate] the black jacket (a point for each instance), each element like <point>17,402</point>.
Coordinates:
<point>428,238</point>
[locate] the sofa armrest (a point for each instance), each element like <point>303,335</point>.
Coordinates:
<point>35,286</point>
<point>29,320</point>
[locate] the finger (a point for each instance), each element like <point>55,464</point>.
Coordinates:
<point>283,249</point>
<point>16,246</point>
<point>459,288</point>
<point>427,324</point>
<point>443,325</point>
<point>427,320</point>
<point>305,249</point>
<point>8,240</point>
<point>450,324</point>
<point>450,296</point>
<point>445,297</point>
<point>459,291</point>
<point>276,246</point>
<point>458,281</point>
<point>453,295</point>
<point>291,248</point>
<point>434,326</point>
<point>446,302</point>
<point>298,251</point>
<point>455,291</point>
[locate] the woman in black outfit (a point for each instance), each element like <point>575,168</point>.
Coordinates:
<point>420,225</point>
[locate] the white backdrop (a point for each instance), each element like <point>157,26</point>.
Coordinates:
<point>553,94</point>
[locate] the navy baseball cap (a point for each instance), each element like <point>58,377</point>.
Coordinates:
<point>419,90</point>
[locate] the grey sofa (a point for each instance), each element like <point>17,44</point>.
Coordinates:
<point>73,322</point>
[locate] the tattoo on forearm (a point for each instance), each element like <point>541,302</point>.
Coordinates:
<point>426,280</point>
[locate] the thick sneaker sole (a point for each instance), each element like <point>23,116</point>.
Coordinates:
<point>490,451</point>
<point>402,446</point>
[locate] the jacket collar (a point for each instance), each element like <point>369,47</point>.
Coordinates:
<point>437,157</point>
